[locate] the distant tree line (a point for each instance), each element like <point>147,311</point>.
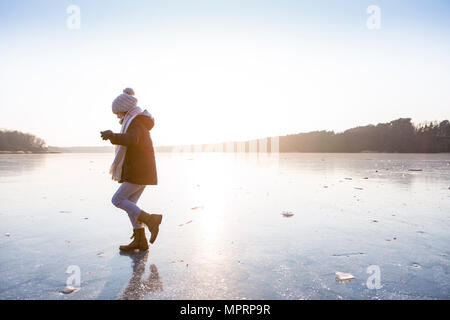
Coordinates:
<point>396,136</point>
<point>19,141</point>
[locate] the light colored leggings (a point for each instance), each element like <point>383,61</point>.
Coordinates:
<point>126,198</point>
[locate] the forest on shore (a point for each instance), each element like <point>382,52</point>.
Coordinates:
<point>400,135</point>
<point>16,141</point>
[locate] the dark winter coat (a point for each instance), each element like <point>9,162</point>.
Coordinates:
<point>139,166</point>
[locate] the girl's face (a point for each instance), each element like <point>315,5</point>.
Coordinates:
<point>120,115</point>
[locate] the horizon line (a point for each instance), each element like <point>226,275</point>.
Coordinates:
<point>266,137</point>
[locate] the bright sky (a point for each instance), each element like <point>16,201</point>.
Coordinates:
<point>213,71</point>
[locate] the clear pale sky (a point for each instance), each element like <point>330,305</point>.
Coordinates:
<point>213,71</point>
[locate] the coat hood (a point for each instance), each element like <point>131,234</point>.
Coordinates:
<point>147,119</point>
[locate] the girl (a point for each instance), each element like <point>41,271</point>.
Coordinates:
<point>134,166</point>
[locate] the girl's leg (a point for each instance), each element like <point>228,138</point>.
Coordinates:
<point>122,199</point>
<point>134,198</point>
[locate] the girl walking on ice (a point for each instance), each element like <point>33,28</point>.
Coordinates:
<point>134,167</point>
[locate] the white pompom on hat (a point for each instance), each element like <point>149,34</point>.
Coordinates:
<point>125,101</point>
<point>128,91</point>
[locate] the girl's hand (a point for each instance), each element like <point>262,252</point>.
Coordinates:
<point>106,134</point>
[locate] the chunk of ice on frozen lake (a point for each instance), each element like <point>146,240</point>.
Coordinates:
<point>287,214</point>
<point>344,277</point>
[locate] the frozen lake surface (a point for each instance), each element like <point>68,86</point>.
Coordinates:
<point>351,211</point>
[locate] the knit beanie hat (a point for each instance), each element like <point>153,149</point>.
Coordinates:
<point>124,102</point>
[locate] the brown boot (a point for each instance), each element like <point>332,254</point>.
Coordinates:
<point>152,221</point>
<point>139,241</point>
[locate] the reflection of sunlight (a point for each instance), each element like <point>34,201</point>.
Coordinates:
<point>210,228</point>
<point>214,183</point>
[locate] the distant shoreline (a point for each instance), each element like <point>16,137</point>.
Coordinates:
<point>156,151</point>
<point>27,152</point>
<point>397,136</point>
